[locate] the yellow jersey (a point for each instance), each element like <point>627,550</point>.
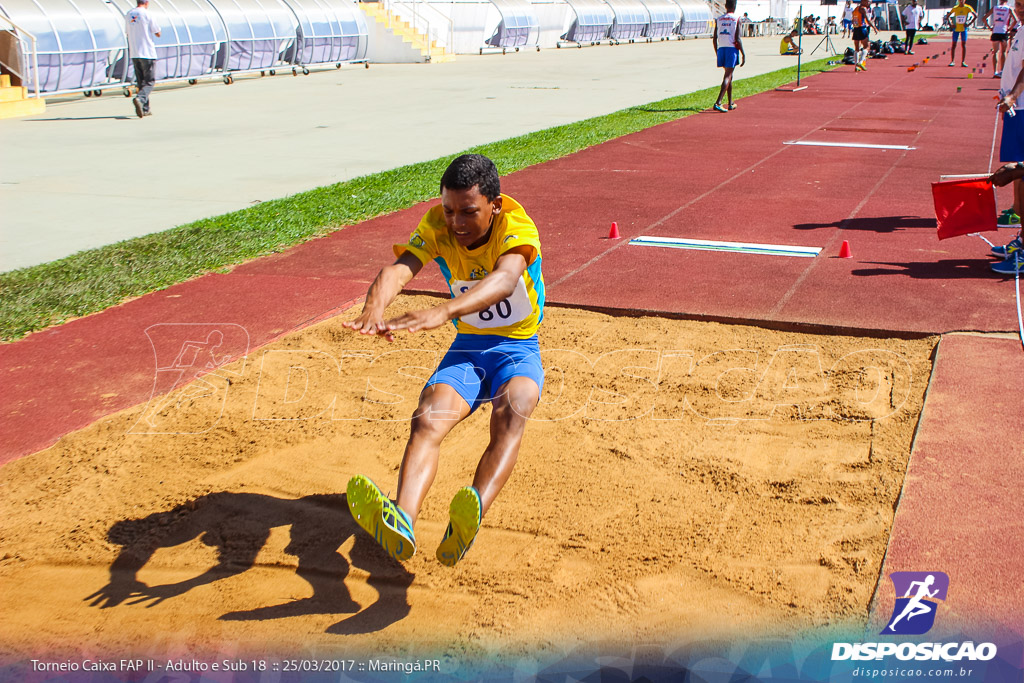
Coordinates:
<point>517,316</point>
<point>958,17</point>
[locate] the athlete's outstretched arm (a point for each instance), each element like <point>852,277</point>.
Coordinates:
<point>497,285</point>
<point>386,286</point>
<point>1009,100</point>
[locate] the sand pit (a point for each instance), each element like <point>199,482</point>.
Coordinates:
<point>680,480</point>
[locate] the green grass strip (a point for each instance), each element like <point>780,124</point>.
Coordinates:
<point>51,293</point>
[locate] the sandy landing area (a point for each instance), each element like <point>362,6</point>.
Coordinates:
<point>680,479</point>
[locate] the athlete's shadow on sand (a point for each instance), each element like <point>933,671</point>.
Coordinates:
<point>874,224</point>
<point>238,525</point>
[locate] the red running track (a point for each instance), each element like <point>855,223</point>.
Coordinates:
<point>961,510</point>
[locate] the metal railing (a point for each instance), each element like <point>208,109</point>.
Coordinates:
<point>19,31</point>
<point>418,21</point>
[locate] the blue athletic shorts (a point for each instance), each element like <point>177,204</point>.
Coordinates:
<point>477,365</point>
<point>728,57</point>
<point>1011,145</point>
<point>962,34</point>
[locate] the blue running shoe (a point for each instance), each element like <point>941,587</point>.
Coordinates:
<point>1013,265</point>
<point>382,519</point>
<point>1006,250</point>
<point>464,522</point>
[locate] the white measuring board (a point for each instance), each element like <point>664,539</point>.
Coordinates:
<point>858,145</point>
<point>715,245</point>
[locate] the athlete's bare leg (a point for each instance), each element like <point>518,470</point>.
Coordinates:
<point>440,409</point>
<point>513,406</point>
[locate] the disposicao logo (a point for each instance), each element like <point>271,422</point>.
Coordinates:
<point>918,595</point>
<point>914,612</point>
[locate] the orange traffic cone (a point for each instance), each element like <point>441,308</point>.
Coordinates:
<point>613,234</point>
<point>844,251</point>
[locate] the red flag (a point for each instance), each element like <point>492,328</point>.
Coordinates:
<point>964,206</point>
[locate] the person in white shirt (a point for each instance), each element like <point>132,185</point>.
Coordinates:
<point>746,26</point>
<point>1003,21</point>
<point>141,29</point>
<point>729,50</point>
<point>913,16</point>
<point>847,18</point>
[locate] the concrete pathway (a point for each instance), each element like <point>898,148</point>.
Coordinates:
<point>89,173</point>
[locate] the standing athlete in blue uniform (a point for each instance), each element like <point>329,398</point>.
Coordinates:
<point>729,50</point>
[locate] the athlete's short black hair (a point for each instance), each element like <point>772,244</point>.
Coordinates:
<point>473,169</point>
<point>730,5</point>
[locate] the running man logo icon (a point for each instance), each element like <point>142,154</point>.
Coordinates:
<point>914,612</point>
<point>190,385</point>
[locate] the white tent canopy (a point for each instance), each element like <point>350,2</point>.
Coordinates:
<point>82,44</point>
<point>519,25</point>
<point>190,33</point>
<point>631,19</point>
<point>328,31</point>
<point>697,18</point>
<point>593,19</point>
<point>259,32</point>
<point>665,18</point>
<point>75,41</point>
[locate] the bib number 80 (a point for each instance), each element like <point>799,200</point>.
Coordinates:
<point>508,311</point>
<point>503,309</point>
